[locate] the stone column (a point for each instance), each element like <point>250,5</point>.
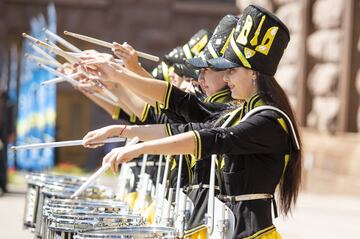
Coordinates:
<point>324,46</point>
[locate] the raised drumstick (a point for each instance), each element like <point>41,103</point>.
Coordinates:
<point>71,59</point>
<point>45,54</point>
<point>109,45</point>
<point>98,173</point>
<point>64,144</point>
<point>75,83</point>
<point>53,49</point>
<point>59,79</point>
<point>61,40</point>
<point>41,60</point>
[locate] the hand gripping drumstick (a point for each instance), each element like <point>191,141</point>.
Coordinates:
<point>109,45</point>
<point>75,83</point>
<point>64,144</point>
<point>100,171</point>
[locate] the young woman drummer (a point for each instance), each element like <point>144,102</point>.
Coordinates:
<point>260,153</point>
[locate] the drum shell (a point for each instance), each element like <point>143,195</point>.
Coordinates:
<point>35,181</point>
<point>70,224</point>
<point>129,232</point>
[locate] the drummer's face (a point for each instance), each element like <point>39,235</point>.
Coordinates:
<point>211,81</point>
<point>175,79</point>
<point>240,81</point>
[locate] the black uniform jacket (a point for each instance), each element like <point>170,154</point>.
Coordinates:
<point>253,157</point>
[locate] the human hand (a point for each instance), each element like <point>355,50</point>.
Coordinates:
<point>127,53</point>
<point>121,155</point>
<point>98,135</point>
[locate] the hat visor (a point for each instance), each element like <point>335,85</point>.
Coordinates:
<point>184,71</point>
<point>221,64</point>
<point>197,63</point>
<point>172,60</point>
<point>187,72</point>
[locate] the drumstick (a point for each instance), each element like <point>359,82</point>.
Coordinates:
<point>68,57</point>
<point>53,49</point>
<point>63,144</point>
<point>100,171</point>
<point>50,43</point>
<point>61,40</point>
<point>59,79</point>
<point>74,82</point>
<point>109,45</point>
<point>41,60</point>
<point>45,54</point>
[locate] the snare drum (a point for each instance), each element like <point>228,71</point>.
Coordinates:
<point>34,182</point>
<point>62,188</point>
<point>69,206</point>
<point>66,225</point>
<point>139,232</point>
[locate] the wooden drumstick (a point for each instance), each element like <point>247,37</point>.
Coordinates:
<point>61,40</point>
<point>41,60</point>
<point>109,45</point>
<point>64,144</point>
<point>75,83</point>
<point>45,54</point>
<point>59,79</point>
<point>68,57</point>
<point>53,49</point>
<point>99,172</point>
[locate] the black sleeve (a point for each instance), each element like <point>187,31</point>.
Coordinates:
<point>259,134</point>
<point>189,106</point>
<point>176,128</point>
<point>149,116</point>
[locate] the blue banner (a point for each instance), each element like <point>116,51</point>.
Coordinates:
<point>37,104</point>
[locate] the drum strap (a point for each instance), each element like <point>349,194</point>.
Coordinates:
<point>249,197</point>
<point>197,186</point>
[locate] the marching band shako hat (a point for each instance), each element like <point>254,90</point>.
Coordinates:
<point>217,43</point>
<point>183,70</point>
<point>161,72</point>
<point>192,48</point>
<point>258,42</point>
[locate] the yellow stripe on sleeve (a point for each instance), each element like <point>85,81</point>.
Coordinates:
<point>145,112</point>
<point>168,130</point>
<point>133,118</point>
<point>116,114</point>
<point>198,145</point>
<point>165,104</point>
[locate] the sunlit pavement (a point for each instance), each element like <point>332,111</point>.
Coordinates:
<point>316,216</point>
<point>322,216</point>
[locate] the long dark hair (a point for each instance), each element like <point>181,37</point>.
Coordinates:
<point>272,94</point>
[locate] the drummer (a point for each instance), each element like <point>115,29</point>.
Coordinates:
<point>258,154</point>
